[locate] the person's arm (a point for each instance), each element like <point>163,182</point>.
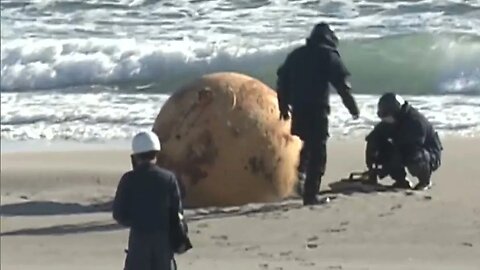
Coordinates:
<point>339,79</point>
<point>381,132</point>
<point>175,201</point>
<point>179,237</point>
<point>377,137</point>
<point>283,89</point>
<point>120,203</point>
<point>413,139</point>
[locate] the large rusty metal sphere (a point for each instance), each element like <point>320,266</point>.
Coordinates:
<point>222,136</point>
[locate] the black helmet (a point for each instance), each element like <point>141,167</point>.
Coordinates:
<point>323,33</point>
<point>389,105</point>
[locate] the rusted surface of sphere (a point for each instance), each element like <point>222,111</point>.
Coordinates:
<point>222,136</point>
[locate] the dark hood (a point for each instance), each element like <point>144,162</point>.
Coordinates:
<point>322,35</point>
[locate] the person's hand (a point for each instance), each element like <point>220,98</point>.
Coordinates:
<point>284,112</point>
<point>284,115</point>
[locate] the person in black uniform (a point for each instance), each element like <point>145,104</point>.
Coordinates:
<point>147,200</point>
<point>303,82</point>
<point>403,139</point>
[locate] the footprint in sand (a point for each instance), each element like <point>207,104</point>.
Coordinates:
<point>263,265</point>
<point>266,266</point>
<point>220,237</point>
<point>273,215</point>
<point>307,264</point>
<point>338,230</point>
<point>396,207</point>
<point>202,225</point>
<point>303,262</point>
<point>286,253</point>
<point>335,267</point>
<point>250,248</point>
<point>392,209</point>
<point>409,193</point>
<point>265,255</point>
<point>311,242</point>
<point>467,244</point>
<point>221,240</point>
<point>312,239</point>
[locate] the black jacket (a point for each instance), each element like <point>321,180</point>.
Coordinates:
<point>411,132</point>
<point>306,74</point>
<point>146,199</point>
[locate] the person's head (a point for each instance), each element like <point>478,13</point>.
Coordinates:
<point>145,146</point>
<point>389,105</point>
<point>322,33</point>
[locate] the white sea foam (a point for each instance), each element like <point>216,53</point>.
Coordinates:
<point>47,64</point>
<point>442,64</point>
<point>106,116</point>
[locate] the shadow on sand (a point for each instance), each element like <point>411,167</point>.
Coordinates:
<point>65,229</point>
<point>347,186</point>
<point>43,208</point>
<point>47,208</point>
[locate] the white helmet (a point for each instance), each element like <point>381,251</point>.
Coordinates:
<point>145,141</point>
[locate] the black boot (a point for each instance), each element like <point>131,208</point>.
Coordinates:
<point>424,182</point>
<point>310,199</point>
<point>399,175</point>
<point>311,188</point>
<point>423,172</point>
<point>423,186</point>
<point>402,183</point>
<point>372,176</point>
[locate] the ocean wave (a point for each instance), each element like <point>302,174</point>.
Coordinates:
<point>111,116</point>
<point>412,64</point>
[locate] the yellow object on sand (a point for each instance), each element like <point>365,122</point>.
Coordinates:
<point>222,136</point>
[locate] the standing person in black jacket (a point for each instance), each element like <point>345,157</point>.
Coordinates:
<point>404,138</point>
<point>147,199</point>
<point>303,89</point>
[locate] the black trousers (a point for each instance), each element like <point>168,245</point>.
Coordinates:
<point>420,163</point>
<point>149,251</point>
<point>311,125</point>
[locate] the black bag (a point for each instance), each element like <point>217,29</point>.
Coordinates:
<point>179,235</point>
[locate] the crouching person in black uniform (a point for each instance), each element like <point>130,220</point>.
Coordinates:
<point>148,201</point>
<point>404,139</point>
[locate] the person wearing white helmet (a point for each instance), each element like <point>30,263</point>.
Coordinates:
<point>148,202</point>
<point>403,139</point>
<point>145,146</point>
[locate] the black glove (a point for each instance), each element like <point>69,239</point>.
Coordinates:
<point>284,115</point>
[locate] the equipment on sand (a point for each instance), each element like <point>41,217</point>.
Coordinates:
<point>370,176</point>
